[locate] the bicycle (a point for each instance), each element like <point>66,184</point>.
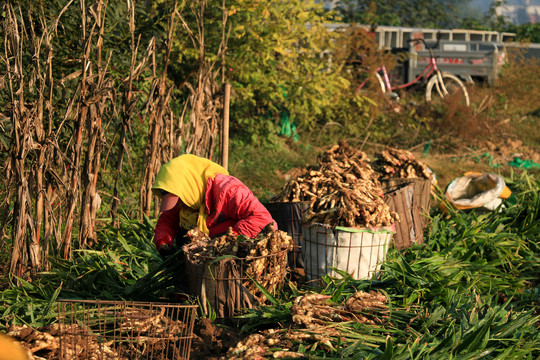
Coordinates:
<point>439,84</point>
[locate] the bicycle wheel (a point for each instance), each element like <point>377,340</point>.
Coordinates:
<point>381,82</point>
<point>451,87</point>
<point>376,84</point>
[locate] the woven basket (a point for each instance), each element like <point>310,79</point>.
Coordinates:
<point>421,194</point>
<point>409,228</point>
<point>420,206</point>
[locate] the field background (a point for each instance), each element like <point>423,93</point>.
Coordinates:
<point>97,96</point>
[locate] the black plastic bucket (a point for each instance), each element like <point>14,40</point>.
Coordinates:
<point>288,216</point>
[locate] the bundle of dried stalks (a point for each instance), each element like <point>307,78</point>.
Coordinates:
<point>195,130</point>
<point>51,165</point>
<point>160,126</point>
<point>129,101</point>
<point>53,169</point>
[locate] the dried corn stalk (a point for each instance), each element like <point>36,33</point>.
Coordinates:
<point>342,191</point>
<point>399,163</point>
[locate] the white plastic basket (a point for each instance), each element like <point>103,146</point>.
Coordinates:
<point>358,251</point>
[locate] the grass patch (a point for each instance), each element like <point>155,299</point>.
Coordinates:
<point>471,291</point>
<point>266,168</point>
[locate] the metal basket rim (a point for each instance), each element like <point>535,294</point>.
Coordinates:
<point>251,258</point>
<point>127,302</point>
<point>288,202</point>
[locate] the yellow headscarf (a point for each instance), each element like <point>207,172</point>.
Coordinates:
<point>185,176</point>
<point>11,349</point>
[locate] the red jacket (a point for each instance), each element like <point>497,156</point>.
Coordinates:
<point>229,203</point>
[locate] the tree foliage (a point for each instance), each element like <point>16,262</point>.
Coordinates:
<point>411,13</point>
<point>526,32</point>
<point>278,62</point>
<point>282,63</point>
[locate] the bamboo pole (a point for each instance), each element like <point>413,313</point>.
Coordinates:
<point>225,132</point>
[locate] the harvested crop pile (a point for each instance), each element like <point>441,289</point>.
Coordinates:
<point>315,319</point>
<point>311,311</point>
<point>40,341</point>
<point>399,163</point>
<point>132,335</point>
<point>351,163</point>
<point>342,191</point>
<point>44,343</point>
<point>356,204</point>
<point>263,258</point>
<point>145,322</point>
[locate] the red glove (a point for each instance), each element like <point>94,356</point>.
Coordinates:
<point>165,250</point>
<point>164,246</point>
<point>166,229</point>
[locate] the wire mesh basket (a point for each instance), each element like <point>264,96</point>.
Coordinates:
<point>357,251</point>
<point>226,285</point>
<point>124,330</point>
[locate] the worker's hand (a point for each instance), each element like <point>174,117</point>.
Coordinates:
<point>165,247</point>
<point>166,250</point>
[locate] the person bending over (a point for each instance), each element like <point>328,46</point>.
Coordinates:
<point>196,192</point>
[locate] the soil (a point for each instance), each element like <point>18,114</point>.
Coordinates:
<point>212,341</point>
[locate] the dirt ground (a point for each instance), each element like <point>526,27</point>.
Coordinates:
<point>212,341</point>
